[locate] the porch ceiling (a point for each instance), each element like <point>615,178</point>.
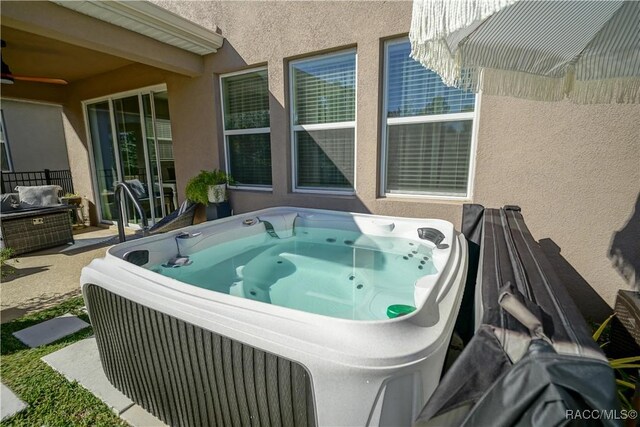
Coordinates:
<point>77,34</point>
<point>32,55</point>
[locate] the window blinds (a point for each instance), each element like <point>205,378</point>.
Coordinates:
<point>432,156</point>
<point>162,129</point>
<point>323,96</point>
<point>246,101</point>
<point>324,89</point>
<point>413,90</point>
<point>250,158</point>
<point>429,157</point>
<point>325,158</point>
<point>246,115</point>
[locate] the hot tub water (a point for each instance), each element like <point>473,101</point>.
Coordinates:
<point>337,273</point>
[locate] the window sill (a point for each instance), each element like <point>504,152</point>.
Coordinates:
<point>345,194</point>
<point>425,198</point>
<point>247,188</point>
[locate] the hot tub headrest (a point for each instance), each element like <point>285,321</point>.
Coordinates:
<point>279,225</point>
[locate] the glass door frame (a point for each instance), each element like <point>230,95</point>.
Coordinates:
<point>149,90</point>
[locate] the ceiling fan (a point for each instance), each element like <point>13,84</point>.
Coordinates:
<point>9,78</point>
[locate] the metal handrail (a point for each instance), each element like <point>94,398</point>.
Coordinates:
<point>120,187</point>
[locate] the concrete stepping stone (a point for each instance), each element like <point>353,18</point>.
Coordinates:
<point>50,330</point>
<point>80,362</point>
<point>138,417</point>
<point>10,404</point>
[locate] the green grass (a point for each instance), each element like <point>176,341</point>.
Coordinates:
<point>5,255</point>
<point>53,401</point>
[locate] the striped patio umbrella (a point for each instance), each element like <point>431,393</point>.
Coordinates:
<point>586,51</point>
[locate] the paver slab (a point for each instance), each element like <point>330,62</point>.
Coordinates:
<point>50,330</point>
<point>10,404</point>
<point>81,362</point>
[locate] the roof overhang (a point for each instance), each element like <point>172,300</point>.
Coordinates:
<point>152,21</point>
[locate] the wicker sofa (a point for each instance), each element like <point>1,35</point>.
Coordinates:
<point>27,227</point>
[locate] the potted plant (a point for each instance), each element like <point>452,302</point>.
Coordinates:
<point>208,187</point>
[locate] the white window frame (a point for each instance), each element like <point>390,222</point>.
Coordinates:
<point>5,143</point>
<point>435,118</point>
<point>322,126</point>
<point>226,133</point>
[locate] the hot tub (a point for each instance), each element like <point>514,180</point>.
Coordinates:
<point>283,316</point>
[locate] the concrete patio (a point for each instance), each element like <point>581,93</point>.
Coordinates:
<point>44,278</point>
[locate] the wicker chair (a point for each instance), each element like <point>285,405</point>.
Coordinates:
<point>179,218</point>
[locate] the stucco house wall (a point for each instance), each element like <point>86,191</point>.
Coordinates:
<point>573,169</point>
<point>575,172</point>
<point>35,135</point>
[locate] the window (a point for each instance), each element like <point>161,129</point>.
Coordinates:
<point>323,114</point>
<point>245,109</point>
<point>4,150</point>
<point>428,130</point>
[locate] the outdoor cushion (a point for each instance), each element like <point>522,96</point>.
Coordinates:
<point>37,196</point>
<point>10,202</point>
<point>137,188</point>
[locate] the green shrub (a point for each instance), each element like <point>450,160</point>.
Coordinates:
<point>198,186</point>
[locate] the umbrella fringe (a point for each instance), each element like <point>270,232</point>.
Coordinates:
<point>531,86</point>
<point>436,56</point>
<point>518,84</point>
<point>525,85</point>
<point>620,91</point>
<point>455,14</point>
<point>490,81</point>
<point>428,45</point>
<point>434,22</point>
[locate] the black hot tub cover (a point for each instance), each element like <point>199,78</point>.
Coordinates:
<point>531,361</point>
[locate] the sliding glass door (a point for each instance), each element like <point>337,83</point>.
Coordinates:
<point>140,154</point>
<point>105,164</point>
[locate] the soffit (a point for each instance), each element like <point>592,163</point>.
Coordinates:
<point>152,21</point>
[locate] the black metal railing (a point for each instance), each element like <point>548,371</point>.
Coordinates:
<point>45,177</point>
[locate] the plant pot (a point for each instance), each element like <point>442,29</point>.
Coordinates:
<point>71,200</point>
<point>215,211</point>
<point>217,193</point>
